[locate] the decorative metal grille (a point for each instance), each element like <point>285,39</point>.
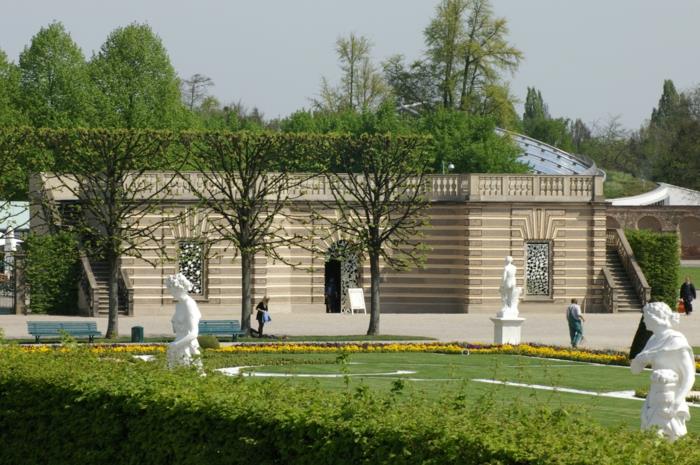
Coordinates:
<point>349,270</point>
<point>191,264</point>
<point>537,268</point>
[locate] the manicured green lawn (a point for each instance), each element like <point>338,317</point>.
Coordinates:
<point>441,376</point>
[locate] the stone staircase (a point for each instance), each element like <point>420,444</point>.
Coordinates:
<point>101,274</point>
<point>627,300</point>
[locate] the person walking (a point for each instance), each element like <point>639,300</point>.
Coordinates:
<point>262,315</point>
<point>688,295</point>
<point>575,319</point>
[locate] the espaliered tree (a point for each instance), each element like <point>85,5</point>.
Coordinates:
<point>245,182</point>
<point>105,170</point>
<point>378,185</point>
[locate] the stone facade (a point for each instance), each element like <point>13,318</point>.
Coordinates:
<point>555,222</point>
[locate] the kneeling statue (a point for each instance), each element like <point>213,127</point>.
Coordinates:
<point>673,373</point>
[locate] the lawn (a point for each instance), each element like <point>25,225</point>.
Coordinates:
<point>692,271</point>
<point>443,376</point>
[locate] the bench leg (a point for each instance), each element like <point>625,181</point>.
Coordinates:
<point>36,339</point>
<point>234,338</point>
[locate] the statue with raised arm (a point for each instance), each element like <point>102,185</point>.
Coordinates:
<point>672,373</point>
<point>184,350</point>
<point>510,293</point>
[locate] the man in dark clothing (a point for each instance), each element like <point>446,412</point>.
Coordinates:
<point>688,295</point>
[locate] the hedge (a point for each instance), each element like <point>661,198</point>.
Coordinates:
<point>52,270</point>
<point>76,407</point>
<point>658,256</point>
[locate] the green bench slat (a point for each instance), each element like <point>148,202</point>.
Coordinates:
<point>221,327</point>
<point>54,328</point>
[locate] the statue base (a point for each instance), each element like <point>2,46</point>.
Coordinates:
<point>507,330</point>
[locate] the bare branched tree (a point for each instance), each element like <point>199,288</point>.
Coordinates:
<point>377,183</point>
<point>194,90</point>
<point>243,179</point>
<point>106,172</point>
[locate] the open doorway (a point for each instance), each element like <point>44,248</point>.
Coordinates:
<point>331,286</point>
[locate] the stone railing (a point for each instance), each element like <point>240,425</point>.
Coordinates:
<point>609,291</point>
<point>126,293</point>
<point>616,239</point>
<point>88,286</point>
<point>451,187</point>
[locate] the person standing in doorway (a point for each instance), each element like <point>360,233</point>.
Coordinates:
<point>575,319</point>
<point>688,295</point>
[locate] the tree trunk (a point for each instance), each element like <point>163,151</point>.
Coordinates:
<point>246,278</point>
<point>374,292</point>
<point>113,293</point>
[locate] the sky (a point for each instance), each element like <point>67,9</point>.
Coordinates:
<point>592,59</point>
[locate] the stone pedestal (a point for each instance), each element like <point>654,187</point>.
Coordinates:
<point>507,330</point>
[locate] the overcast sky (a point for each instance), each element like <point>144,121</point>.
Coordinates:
<point>591,59</point>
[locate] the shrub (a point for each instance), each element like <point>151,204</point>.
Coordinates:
<point>658,256</point>
<point>70,406</point>
<point>208,342</point>
<point>52,273</point>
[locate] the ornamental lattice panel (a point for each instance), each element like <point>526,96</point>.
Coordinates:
<point>537,268</point>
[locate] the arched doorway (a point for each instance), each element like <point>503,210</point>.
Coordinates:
<point>650,223</point>
<point>341,273</point>
<point>611,223</point>
<point>690,238</point>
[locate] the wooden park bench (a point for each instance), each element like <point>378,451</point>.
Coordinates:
<point>221,328</point>
<point>58,328</point>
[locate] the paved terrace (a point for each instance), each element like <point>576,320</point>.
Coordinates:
<point>602,331</point>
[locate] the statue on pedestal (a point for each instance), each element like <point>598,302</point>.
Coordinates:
<point>510,293</point>
<point>184,350</point>
<point>673,373</point>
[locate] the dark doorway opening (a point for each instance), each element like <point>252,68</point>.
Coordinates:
<point>331,286</point>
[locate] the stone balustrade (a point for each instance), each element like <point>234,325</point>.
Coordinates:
<point>451,187</point>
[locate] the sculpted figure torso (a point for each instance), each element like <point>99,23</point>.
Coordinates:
<point>184,350</point>
<point>510,293</point>
<point>673,373</point>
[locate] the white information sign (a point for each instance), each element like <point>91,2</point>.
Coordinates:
<point>357,299</point>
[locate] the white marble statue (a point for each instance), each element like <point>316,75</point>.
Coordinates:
<point>184,350</point>
<point>673,373</point>
<point>510,292</point>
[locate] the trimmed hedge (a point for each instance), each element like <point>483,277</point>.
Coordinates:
<point>52,271</point>
<point>658,256</point>
<point>74,407</point>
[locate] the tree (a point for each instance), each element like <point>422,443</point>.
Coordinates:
<point>412,84</point>
<point>535,108</point>
<point>470,143</point>
<point>377,184</point>
<point>672,106</point>
<point>54,82</point>
<point>468,47</point>
<point>538,124</point>
<point>104,169</point>
<point>361,85</point>
<point>245,183</point>
<point>10,114</point>
<point>136,84</point>
<point>484,52</point>
<point>194,90</point>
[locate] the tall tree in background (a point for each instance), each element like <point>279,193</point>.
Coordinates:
<point>10,114</point>
<point>377,183</point>
<point>467,45</point>
<point>484,52</point>
<point>136,84</point>
<point>362,85</point>
<point>538,124</point>
<point>194,90</point>
<point>412,85</point>
<point>55,85</point>
<point>105,170</point>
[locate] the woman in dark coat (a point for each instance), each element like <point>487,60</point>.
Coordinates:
<point>261,315</point>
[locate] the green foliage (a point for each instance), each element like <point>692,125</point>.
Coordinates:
<point>658,256</point>
<point>137,86</point>
<point>620,184</point>
<point>52,273</point>
<point>10,114</point>
<point>208,341</point>
<point>127,411</point>
<point>55,86</point>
